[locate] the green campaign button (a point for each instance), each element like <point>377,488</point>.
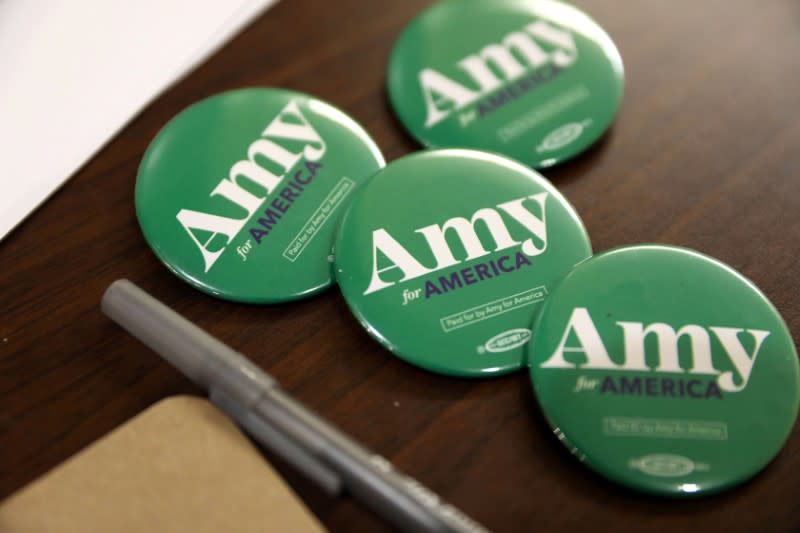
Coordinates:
<point>665,370</point>
<point>536,80</point>
<point>239,195</point>
<point>445,255</point>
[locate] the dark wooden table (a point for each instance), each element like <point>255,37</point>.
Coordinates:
<point>705,154</point>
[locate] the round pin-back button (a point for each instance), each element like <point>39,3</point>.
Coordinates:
<point>445,255</point>
<point>665,370</point>
<point>239,195</point>
<point>536,80</point>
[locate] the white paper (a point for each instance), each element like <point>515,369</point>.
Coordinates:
<point>74,72</point>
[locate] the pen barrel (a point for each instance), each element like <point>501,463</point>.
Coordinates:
<point>247,390</point>
<point>371,478</point>
<point>191,350</point>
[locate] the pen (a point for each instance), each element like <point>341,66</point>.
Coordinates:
<point>272,417</point>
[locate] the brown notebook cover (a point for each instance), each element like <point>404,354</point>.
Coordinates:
<point>179,466</point>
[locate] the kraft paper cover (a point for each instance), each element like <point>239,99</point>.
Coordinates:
<point>179,466</point>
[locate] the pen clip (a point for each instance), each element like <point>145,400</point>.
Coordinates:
<point>277,442</point>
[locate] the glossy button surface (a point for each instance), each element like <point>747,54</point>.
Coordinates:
<point>240,193</point>
<point>665,370</point>
<point>536,80</point>
<point>444,256</point>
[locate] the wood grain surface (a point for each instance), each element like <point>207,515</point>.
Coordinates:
<point>705,153</point>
